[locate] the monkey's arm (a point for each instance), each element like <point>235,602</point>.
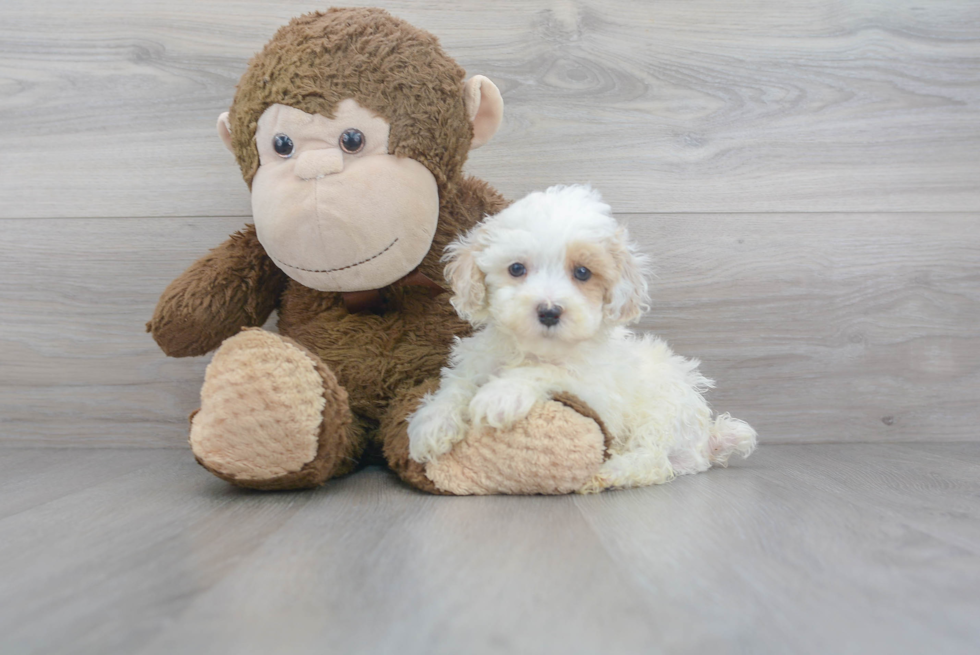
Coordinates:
<point>235,285</point>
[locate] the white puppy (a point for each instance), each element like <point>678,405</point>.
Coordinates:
<point>550,282</point>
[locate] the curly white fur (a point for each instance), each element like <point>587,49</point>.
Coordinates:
<point>510,275</point>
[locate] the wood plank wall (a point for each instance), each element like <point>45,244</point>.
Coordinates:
<point>805,172</point>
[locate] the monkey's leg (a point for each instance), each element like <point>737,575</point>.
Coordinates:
<point>557,449</point>
<point>273,416</point>
<point>393,433</point>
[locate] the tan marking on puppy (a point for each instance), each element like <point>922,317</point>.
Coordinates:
<point>597,259</point>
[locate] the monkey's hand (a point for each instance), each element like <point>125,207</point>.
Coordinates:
<point>235,285</point>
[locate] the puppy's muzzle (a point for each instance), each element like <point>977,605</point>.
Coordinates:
<point>549,316</point>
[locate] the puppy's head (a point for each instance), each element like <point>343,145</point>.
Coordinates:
<point>553,268</point>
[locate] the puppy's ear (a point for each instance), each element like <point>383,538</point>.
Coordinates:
<point>466,278</point>
<point>629,296</point>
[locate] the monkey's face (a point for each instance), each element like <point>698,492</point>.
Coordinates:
<point>335,208</point>
<point>332,208</point>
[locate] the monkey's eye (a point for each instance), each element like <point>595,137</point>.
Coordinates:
<point>283,146</point>
<point>581,273</point>
<point>516,269</point>
<point>352,141</point>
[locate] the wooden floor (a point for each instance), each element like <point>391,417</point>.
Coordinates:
<point>862,548</point>
<point>806,176</point>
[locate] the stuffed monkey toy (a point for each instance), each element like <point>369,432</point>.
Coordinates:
<point>351,128</point>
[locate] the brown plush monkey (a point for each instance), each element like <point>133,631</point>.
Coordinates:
<point>351,128</point>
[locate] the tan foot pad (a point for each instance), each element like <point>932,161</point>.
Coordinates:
<point>555,450</point>
<point>261,408</point>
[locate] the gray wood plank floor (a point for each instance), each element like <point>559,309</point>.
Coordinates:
<point>860,548</point>
<point>801,105</point>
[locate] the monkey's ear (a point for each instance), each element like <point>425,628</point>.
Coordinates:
<point>484,108</point>
<point>224,130</point>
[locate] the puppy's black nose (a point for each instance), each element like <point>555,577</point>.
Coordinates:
<point>549,315</point>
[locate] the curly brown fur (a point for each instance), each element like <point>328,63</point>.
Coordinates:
<point>235,285</point>
<point>398,71</point>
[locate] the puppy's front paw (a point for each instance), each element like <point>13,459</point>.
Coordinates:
<point>433,431</point>
<point>500,405</point>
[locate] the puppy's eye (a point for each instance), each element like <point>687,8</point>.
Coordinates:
<point>516,269</point>
<point>581,273</point>
<point>352,141</point>
<point>283,146</point>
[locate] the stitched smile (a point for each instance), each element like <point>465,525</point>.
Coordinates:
<point>341,268</point>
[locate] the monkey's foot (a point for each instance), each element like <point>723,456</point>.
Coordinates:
<point>556,449</point>
<point>272,415</point>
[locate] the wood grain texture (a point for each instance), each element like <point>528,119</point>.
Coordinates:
<point>846,327</point>
<point>864,541</point>
<point>801,549</point>
<point>108,108</point>
<point>32,477</point>
<point>77,361</point>
<point>817,328</point>
<point>726,133</point>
